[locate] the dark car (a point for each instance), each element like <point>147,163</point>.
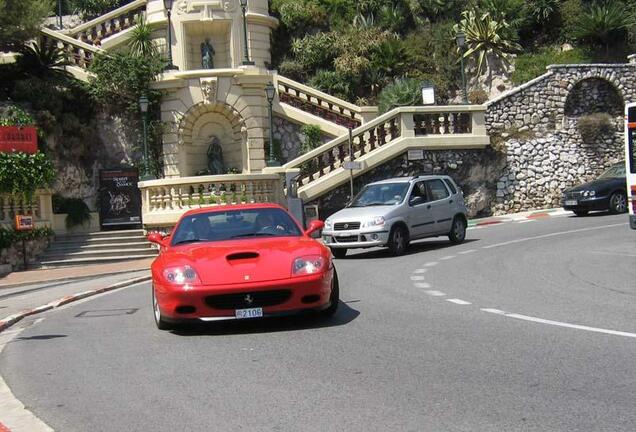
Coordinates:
<point>608,192</point>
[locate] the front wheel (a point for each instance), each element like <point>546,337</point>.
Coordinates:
<point>618,203</point>
<point>398,241</point>
<point>457,233</point>
<point>334,298</point>
<point>339,253</point>
<point>159,321</point>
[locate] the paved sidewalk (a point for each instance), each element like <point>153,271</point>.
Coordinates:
<point>519,217</point>
<point>31,277</point>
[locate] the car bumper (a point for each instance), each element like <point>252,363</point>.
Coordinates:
<point>632,221</point>
<point>589,204</point>
<point>306,293</point>
<point>355,239</point>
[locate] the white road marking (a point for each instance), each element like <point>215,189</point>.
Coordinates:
<point>553,235</point>
<point>559,323</point>
<point>431,264</point>
<point>446,258</point>
<point>458,301</point>
<point>420,271</point>
<point>526,221</point>
<point>468,251</point>
<point>417,278</point>
<point>435,293</point>
<point>421,285</point>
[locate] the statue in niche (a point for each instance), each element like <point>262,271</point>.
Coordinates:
<point>215,157</point>
<point>207,55</point>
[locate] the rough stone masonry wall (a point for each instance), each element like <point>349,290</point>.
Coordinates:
<point>535,126</point>
<point>475,171</point>
<point>291,137</point>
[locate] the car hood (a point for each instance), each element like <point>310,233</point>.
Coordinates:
<point>242,261</point>
<point>358,214</point>
<point>599,185</point>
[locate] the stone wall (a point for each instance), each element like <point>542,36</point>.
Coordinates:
<point>12,258</point>
<point>536,126</point>
<point>475,171</point>
<point>291,137</point>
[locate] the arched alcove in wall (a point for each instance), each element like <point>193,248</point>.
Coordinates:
<point>201,125</point>
<point>594,95</point>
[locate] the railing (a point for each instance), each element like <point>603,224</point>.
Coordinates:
<point>95,31</point>
<point>318,103</point>
<point>77,53</point>
<point>40,207</point>
<point>164,201</point>
<point>408,122</point>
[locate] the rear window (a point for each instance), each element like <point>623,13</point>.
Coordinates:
<point>437,190</point>
<point>451,186</point>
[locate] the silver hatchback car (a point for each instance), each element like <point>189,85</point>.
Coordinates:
<point>393,212</point>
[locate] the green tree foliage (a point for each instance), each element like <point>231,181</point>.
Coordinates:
<point>43,61</point>
<point>22,173</point>
<point>20,21</point>
<point>403,92</point>
<point>94,8</point>
<point>605,23</point>
<point>141,43</point>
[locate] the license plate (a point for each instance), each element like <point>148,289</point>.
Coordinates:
<point>571,202</point>
<point>248,313</point>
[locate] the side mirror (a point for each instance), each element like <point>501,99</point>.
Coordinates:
<point>314,226</point>
<point>416,201</point>
<point>157,238</point>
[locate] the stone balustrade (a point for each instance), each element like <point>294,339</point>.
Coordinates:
<point>164,201</point>
<point>418,124</point>
<point>40,207</point>
<point>95,31</point>
<point>77,53</point>
<point>318,103</point>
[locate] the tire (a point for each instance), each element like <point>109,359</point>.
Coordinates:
<point>334,298</point>
<point>159,321</point>
<point>457,233</point>
<point>398,240</point>
<point>618,203</point>
<point>581,213</point>
<point>339,253</point>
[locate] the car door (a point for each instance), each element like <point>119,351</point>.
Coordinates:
<point>420,217</point>
<point>441,205</point>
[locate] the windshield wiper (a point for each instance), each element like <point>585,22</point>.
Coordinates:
<point>254,235</point>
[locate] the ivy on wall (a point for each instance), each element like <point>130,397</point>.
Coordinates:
<point>23,174</point>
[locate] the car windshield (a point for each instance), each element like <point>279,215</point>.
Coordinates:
<point>380,195</point>
<point>235,224</point>
<point>616,171</point>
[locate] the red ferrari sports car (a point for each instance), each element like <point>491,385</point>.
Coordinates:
<point>237,262</point>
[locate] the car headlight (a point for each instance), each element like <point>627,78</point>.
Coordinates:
<point>307,265</point>
<point>376,221</point>
<point>328,225</point>
<point>589,193</point>
<point>181,275</point>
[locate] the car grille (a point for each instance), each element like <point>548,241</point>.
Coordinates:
<point>344,226</point>
<point>348,239</point>
<point>573,195</point>
<point>242,301</point>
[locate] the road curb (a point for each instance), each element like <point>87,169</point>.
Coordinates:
<point>7,322</point>
<point>516,217</point>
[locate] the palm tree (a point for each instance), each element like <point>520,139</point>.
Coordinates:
<point>486,38</point>
<point>604,23</point>
<point>45,61</point>
<point>141,43</point>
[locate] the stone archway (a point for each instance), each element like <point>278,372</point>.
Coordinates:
<point>593,95</point>
<point>199,126</point>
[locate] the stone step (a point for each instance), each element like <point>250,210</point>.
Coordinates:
<point>102,234</point>
<point>56,256</point>
<point>71,247</point>
<point>98,240</point>
<point>86,261</point>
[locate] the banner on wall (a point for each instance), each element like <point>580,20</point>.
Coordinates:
<point>18,139</point>
<point>119,198</point>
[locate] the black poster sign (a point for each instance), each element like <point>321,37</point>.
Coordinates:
<point>120,199</point>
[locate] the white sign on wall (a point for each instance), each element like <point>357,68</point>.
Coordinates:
<point>417,154</point>
<point>428,95</point>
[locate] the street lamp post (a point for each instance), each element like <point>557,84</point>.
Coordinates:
<point>167,4</point>
<point>143,106</point>
<point>246,54</point>
<point>270,91</point>
<point>59,14</point>
<point>461,42</point>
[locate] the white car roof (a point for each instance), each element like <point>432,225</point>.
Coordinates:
<point>408,179</point>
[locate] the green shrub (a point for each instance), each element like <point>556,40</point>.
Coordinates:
<point>94,8</point>
<point>478,96</point>
<point>531,65</point>
<point>403,92</point>
<point>76,210</point>
<point>22,174</point>
<point>594,126</point>
<point>334,83</point>
<point>16,116</point>
<point>311,140</point>
<point>10,237</point>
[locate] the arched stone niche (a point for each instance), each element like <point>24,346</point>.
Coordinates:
<point>200,126</point>
<point>594,95</point>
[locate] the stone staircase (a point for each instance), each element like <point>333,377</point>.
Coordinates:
<point>96,248</point>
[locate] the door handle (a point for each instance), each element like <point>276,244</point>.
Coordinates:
<point>428,206</point>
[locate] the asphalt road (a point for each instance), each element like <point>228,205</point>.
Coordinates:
<point>525,327</point>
